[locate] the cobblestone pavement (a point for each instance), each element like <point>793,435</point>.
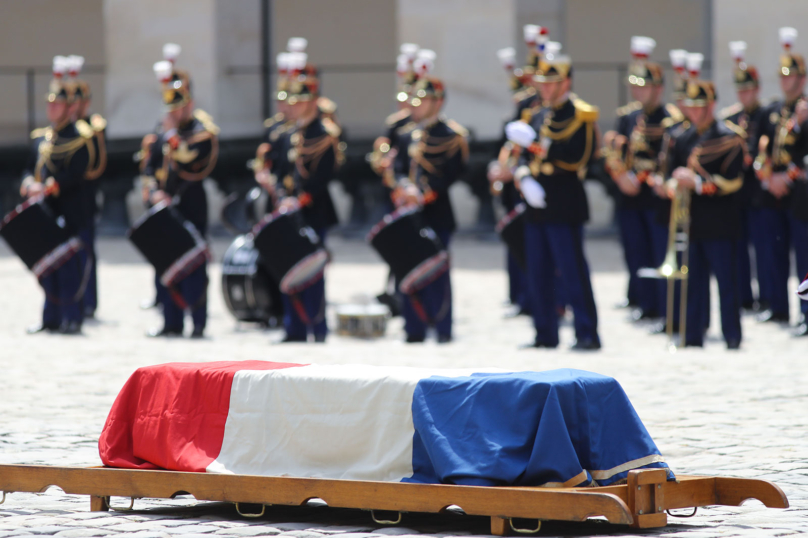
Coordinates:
<point>710,411</point>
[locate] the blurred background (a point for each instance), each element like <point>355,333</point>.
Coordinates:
<point>229,47</point>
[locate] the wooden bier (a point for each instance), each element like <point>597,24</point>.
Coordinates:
<point>641,502</point>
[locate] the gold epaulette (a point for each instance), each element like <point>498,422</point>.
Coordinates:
<point>326,105</point>
<point>584,111</point>
<point>629,108</point>
<point>331,128</point>
<point>521,95</point>
<point>39,133</point>
<point>206,120</point>
<point>98,123</point>
<point>269,122</point>
<point>396,117</point>
<point>457,128</point>
<point>84,129</point>
<point>726,112</point>
<point>674,113</point>
<point>737,129</point>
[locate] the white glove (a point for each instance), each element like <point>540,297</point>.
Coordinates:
<point>520,133</point>
<point>533,192</point>
<point>802,290</point>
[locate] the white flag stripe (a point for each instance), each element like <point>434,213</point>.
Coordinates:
<point>351,422</point>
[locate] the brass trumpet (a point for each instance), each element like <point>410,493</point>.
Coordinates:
<point>672,269</point>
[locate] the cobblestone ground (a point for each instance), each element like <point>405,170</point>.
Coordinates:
<point>710,411</point>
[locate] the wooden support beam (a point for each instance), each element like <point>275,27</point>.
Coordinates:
<point>641,502</point>
<point>98,504</point>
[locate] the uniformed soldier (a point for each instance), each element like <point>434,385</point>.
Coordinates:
<point>437,153</point>
<point>707,161</point>
<point>387,146</point>
<point>270,157</point>
<point>59,164</point>
<point>780,166</point>
<point>747,115</point>
<point>559,142</point>
<point>93,127</point>
<point>525,98</point>
<point>182,155</point>
<point>313,158</point>
<point>632,158</point>
<point>397,124</point>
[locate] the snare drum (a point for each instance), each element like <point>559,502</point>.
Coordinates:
<point>362,321</point>
<point>291,250</point>
<point>511,228</point>
<point>411,249</point>
<point>249,291</point>
<point>169,242</point>
<point>36,237</point>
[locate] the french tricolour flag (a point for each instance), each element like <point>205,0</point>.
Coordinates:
<point>358,422</point>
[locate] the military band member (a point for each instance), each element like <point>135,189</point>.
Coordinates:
<point>93,127</point>
<point>183,154</point>
<point>707,159</point>
<point>747,115</point>
<point>633,151</point>
<point>437,153</point>
<point>270,164</point>
<point>59,164</point>
<point>780,166</point>
<point>526,99</point>
<point>388,146</point>
<point>397,124</point>
<point>313,158</point>
<point>559,143</point>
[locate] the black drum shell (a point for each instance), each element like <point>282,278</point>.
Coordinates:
<point>163,236</point>
<point>404,241</point>
<point>512,231</point>
<point>32,232</point>
<point>283,239</point>
<point>249,291</point>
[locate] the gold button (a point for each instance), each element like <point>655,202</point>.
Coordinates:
<point>547,169</point>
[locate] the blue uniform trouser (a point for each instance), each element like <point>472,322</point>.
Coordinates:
<point>190,293</point>
<point>517,284</point>
<point>719,257</point>
<point>312,301</point>
<point>62,305</point>
<point>90,301</point>
<point>435,300</point>
<point>799,240</point>
<point>744,264</point>
<point>756,230</point>
<point>642,247</point>
<point>552,246</point>
<point>632,293</point>
<point>775,254</point>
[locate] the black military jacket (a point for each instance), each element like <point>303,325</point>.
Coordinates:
<point>395,126</point>
<point>436,156</point>
<point>64,156</point>
<point>94,128</point>
<point>641,154</point>
<point>748,124</point>
<point>277,133</point>
<point>788,143</point>
<point>179,171</point>
<point>716,155</point>
<point>570,130</point>
<point>312,161</point>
